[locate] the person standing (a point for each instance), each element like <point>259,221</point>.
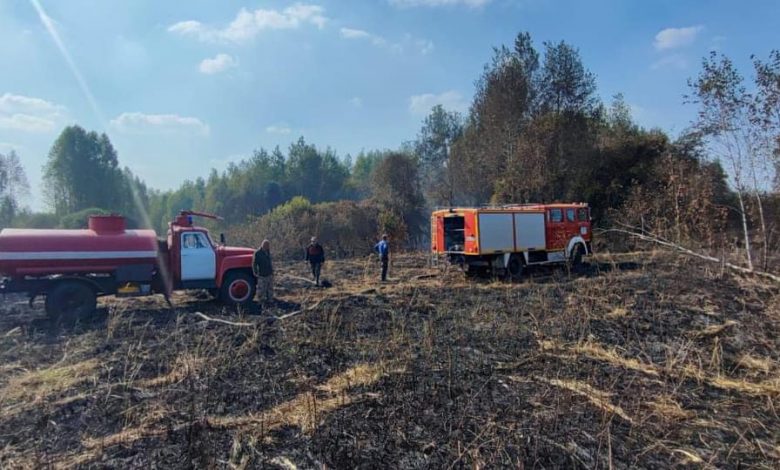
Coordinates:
<point>315,255</point>
<point>383,248</point>
<point>263,269</point>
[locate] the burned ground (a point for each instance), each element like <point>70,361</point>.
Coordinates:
<point>646,360</point>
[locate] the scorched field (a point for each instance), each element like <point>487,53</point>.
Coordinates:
<point>645,360</point>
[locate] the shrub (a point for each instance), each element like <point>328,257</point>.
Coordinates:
<point>345,228</point>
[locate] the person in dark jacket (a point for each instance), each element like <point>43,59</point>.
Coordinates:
<point>263,269</point>
<point>315,255</point>
<point>383,248</point>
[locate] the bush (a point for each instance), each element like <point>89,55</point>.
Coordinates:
<point>345,228</point>
<point>35,220</point>
<point>80,219</point>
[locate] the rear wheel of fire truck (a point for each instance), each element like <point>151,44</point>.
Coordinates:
<point>238,288</point>
<point>514,268</point>
<point>70,301</point>
<point>575,260</point>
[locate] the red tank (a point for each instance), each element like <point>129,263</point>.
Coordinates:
<point>101,248</point>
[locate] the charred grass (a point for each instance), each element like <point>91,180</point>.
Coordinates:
<point>645,360</point>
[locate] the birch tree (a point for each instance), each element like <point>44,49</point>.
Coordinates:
<point>724,120</point>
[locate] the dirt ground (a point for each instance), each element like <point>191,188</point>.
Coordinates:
<point>646,360</point>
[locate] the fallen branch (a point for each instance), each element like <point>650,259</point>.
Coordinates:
<point>217,320</point>
<point>298,278</point>
<point>424,276</point>
<point>690,252</point>
<point>297,312</point>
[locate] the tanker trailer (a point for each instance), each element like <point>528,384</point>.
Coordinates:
<point>71,268</point>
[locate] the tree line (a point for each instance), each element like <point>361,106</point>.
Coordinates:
<point>536,131</point>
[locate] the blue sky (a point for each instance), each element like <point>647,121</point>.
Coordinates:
<point>181,87</point>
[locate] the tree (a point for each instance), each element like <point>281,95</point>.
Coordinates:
<point>566,86</point>
<point>765,108</point>
<point>83,171</point>
<point>362,169</point>
<point>682,199</point>
<point>434,142</point>
<point>314,175</point>
<point>396,187</point>
<point>13,186</point>
<point>619,116</point>
<point>724,119</point>
<point>504,104</point>
<point>273,195</point>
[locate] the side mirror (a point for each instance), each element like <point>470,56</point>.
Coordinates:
<point>221,238</point>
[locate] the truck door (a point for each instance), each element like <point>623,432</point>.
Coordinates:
<point>198,259</point>
<point>556,232</point>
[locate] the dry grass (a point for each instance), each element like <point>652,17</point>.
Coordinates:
<point>599,398</point>
<point>760,364</point>
<point>36,385</point>
<point>666,407</point>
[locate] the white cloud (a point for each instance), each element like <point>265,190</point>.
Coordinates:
<point>186,27</point>
<point>356,102</point>
<point>219,63</point>
<point>280,129</point>
<point>674,61</point>
<point>349,33</point>
<point>439,3</point>
<point>29,114</point>
<point>359,34</point>
<point>248,24</point>
<point>672,38</point>
<point>140,123</point>
<point>423,46</point>
<point>450,100</point>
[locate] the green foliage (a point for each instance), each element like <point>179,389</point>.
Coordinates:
<point>80,219</point>
<point>255,186</point>
<point>396,189</point>
<point>82,171</point>
<point>13,187</point>
<point>439,132</point>
<point>345,228</point>
<point>27,219</point>
<point>363,168</point>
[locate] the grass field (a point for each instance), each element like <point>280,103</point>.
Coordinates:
<point>647,360</point>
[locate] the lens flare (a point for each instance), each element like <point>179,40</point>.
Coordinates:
<point>48,23</point>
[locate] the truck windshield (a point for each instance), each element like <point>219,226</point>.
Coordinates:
<point>454,233</point>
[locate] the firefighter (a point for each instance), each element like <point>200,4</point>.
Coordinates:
<point>264,271</point>
<point>315,255</point>
<point>383,248</point>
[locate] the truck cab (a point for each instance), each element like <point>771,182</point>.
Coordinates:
<point>195,261</point>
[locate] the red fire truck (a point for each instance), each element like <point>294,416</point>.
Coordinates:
<point>509,238</point>
<point>71,268</point>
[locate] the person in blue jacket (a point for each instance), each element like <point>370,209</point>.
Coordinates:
<point>383,248</point>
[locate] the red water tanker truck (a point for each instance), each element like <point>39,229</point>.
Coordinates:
<point>71,268</point>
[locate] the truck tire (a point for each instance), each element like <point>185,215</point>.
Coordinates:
<point>69,301</point>
<point>575,260</point>
<point>514,268</point>
<point>238,288</point>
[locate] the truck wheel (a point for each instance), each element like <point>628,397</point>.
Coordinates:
<point>575,260</point>
<point>237,288</point>
<point>515,267</point>
<point>70,301</point>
